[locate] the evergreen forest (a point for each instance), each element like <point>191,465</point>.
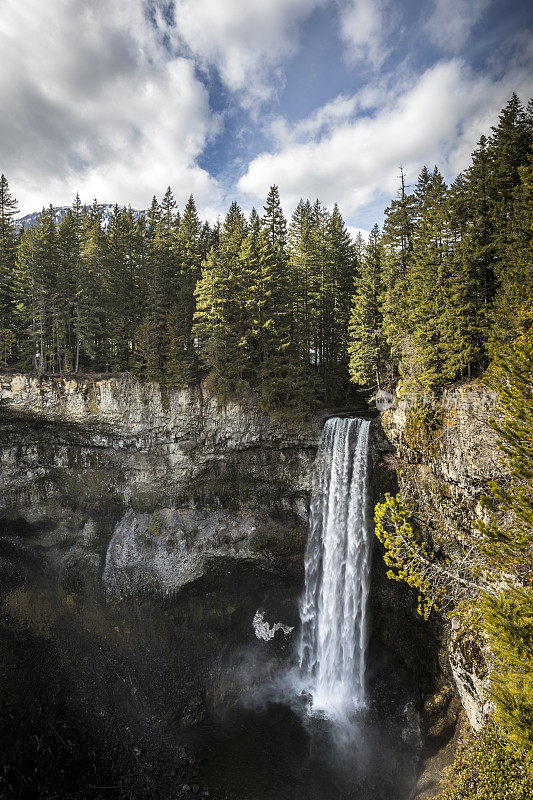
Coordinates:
<point>296,309</point>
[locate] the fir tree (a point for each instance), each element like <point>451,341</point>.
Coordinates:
<point>219,306</point>
<point>189,252</point>
<point>516,294</point>
<point>428,278</point>
<point>339,286</point>
<point>397,265</point>
<point>275,224</point>
<point>27,297</point>
<point>8,241</point>
<point>300,259</point>
<point>367,348</point>
<point>508,615</point>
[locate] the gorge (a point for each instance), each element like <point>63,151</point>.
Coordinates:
<point>141,533</point>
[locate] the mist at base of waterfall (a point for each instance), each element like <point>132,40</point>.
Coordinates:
<point>274,745</point>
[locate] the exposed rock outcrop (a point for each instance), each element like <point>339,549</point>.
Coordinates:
<point>176,479</point>
<point>444,479</point>
<point>120,439</point>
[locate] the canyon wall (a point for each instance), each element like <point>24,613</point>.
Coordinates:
<point>147,527</point>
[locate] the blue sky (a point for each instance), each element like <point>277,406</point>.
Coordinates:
<point>222,98</point>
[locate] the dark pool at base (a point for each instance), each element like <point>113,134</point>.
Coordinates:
<point>277,753</point>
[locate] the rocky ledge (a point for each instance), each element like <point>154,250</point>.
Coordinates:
<point>145,445</point>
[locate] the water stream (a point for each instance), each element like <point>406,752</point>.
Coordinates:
<point>333,610</point>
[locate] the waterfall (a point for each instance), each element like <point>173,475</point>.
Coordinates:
<point>333,609</point>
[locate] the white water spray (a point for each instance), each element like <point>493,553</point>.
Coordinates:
<point>333,610</point>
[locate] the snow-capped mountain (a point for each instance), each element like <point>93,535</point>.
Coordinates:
<point>60,212</point>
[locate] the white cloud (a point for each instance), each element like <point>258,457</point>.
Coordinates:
<point>95,103</point>
<point>433,119</point>
<point>354,232</point>
<point>451,22</point>
<point>363,27</point>
<point>317,123</point>
<point>246,40</point>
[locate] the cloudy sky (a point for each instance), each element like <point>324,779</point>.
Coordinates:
<point>118,99</point>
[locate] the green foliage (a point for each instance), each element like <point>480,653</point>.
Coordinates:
<point>155,525</point>
<point>8,242</point>
<point>272,315</point>
<point>423,430</point>
<point>508,622</point>
<point>490,768</point>
<point>322,268</point>
<point>7,344</point>
<point>505,613</point>
<point>455,267</point>
<point>508,615</point>
<point>407,554</point>
<point>397,263</point>
<point>368,350</point>
<point>296,311</point>
<point>511,373</point>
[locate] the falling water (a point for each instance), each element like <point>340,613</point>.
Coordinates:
<point>333,609</point>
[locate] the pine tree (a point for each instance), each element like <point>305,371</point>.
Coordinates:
<point>90,320</point>
<point>189,253</point>
<point>26,296</point>
<point>516,294</point>
<point>8,242</point>
<point>428,278</point>
<point>368,350</point>
<point>300,266</point>
<point>275,224</point>
<point>162,277</point>
<point>397,265</point>
<point>509,148</point>
<point>168,204</point>
<point>69,259</point>
<point>120,288</point>
<point>220,299</point>
<point>473,206</point>
<point>153,217</point>
<point>269,305</point>
<point>47,259</point>
<point>339,286</point>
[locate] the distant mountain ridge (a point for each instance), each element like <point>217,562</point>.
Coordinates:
<point>60,212</point>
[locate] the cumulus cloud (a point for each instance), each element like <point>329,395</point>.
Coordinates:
<point>94,101</point>
<point>112,99</point>
<point>433,119</point>
<point>363,27</point>
<point>451,22</point>
<point>354,232</point>
<point>246,40</point>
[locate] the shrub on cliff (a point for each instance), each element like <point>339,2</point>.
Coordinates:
<point>489,768</point>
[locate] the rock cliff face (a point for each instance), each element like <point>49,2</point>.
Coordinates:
<point>146,446</point>
<point>184,479</point>
<point>143,530</point>
<point>444,477</point>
